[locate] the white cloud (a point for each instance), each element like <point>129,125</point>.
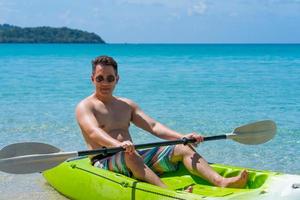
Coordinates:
<point>197,8</point>
<point>150,2</point>
<point>175,7</point>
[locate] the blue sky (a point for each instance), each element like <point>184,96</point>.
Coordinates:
<point>164,21</point>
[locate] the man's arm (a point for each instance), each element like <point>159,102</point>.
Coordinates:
<point>141,120</point>
<point>89,126</point>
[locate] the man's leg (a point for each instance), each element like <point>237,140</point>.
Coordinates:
<point>198,166</point>
<point>141,171</point>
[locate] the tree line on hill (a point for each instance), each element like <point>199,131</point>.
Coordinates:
<point>15,34</point>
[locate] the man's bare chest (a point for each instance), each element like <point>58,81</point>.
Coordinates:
<point>117,117</point>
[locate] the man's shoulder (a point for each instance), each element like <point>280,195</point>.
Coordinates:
<point>86,103</point>
<point>129,102</point>
<point>126,100</point>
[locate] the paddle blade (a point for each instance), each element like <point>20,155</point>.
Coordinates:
<point>27,148</point>
<point>31,157</point>
<point>254,133</point>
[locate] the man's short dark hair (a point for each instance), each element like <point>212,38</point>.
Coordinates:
<point>104,61</point>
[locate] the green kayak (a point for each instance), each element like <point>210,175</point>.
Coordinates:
<point>78,179</point>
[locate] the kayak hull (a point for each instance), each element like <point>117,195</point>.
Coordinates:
<point>78,179</point>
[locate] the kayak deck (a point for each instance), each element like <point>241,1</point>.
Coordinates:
<point>77,179</point>
<point>181,179</point>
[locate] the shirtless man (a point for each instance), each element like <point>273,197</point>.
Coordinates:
<point>104,120</point>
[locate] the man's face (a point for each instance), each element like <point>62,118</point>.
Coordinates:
<point>105,79</point>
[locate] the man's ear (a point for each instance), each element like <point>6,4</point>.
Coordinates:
<point>117,79</point>
<point>92,78</point>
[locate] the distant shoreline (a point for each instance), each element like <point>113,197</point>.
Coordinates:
<point>32,35</point>
<point>53,43</point>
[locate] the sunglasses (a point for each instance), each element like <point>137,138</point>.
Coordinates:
<point>109,79</point>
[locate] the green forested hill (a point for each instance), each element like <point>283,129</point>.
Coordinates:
<point>15,34</point>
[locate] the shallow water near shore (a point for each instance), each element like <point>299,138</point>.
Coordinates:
<point>210,89</point>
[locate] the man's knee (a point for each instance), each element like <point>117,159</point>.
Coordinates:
<point>133,159</point>
<point>136,165</point>
<point>183,150</point>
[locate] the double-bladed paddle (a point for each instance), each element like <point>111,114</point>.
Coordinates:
<point>31,157</point>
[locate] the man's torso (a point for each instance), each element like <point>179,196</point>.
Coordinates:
<point>114,118</point>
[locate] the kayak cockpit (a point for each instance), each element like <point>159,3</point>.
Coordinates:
<point>181,179</point>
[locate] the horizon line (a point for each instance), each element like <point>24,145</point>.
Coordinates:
<point>159,43</point>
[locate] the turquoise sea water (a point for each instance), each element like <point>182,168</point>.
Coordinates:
<point>210,89</point>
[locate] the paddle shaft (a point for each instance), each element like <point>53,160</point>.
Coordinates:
<point>253,133</point>
<point>113,150</point>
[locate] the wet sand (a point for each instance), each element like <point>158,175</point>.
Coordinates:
<point>22,187</point>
